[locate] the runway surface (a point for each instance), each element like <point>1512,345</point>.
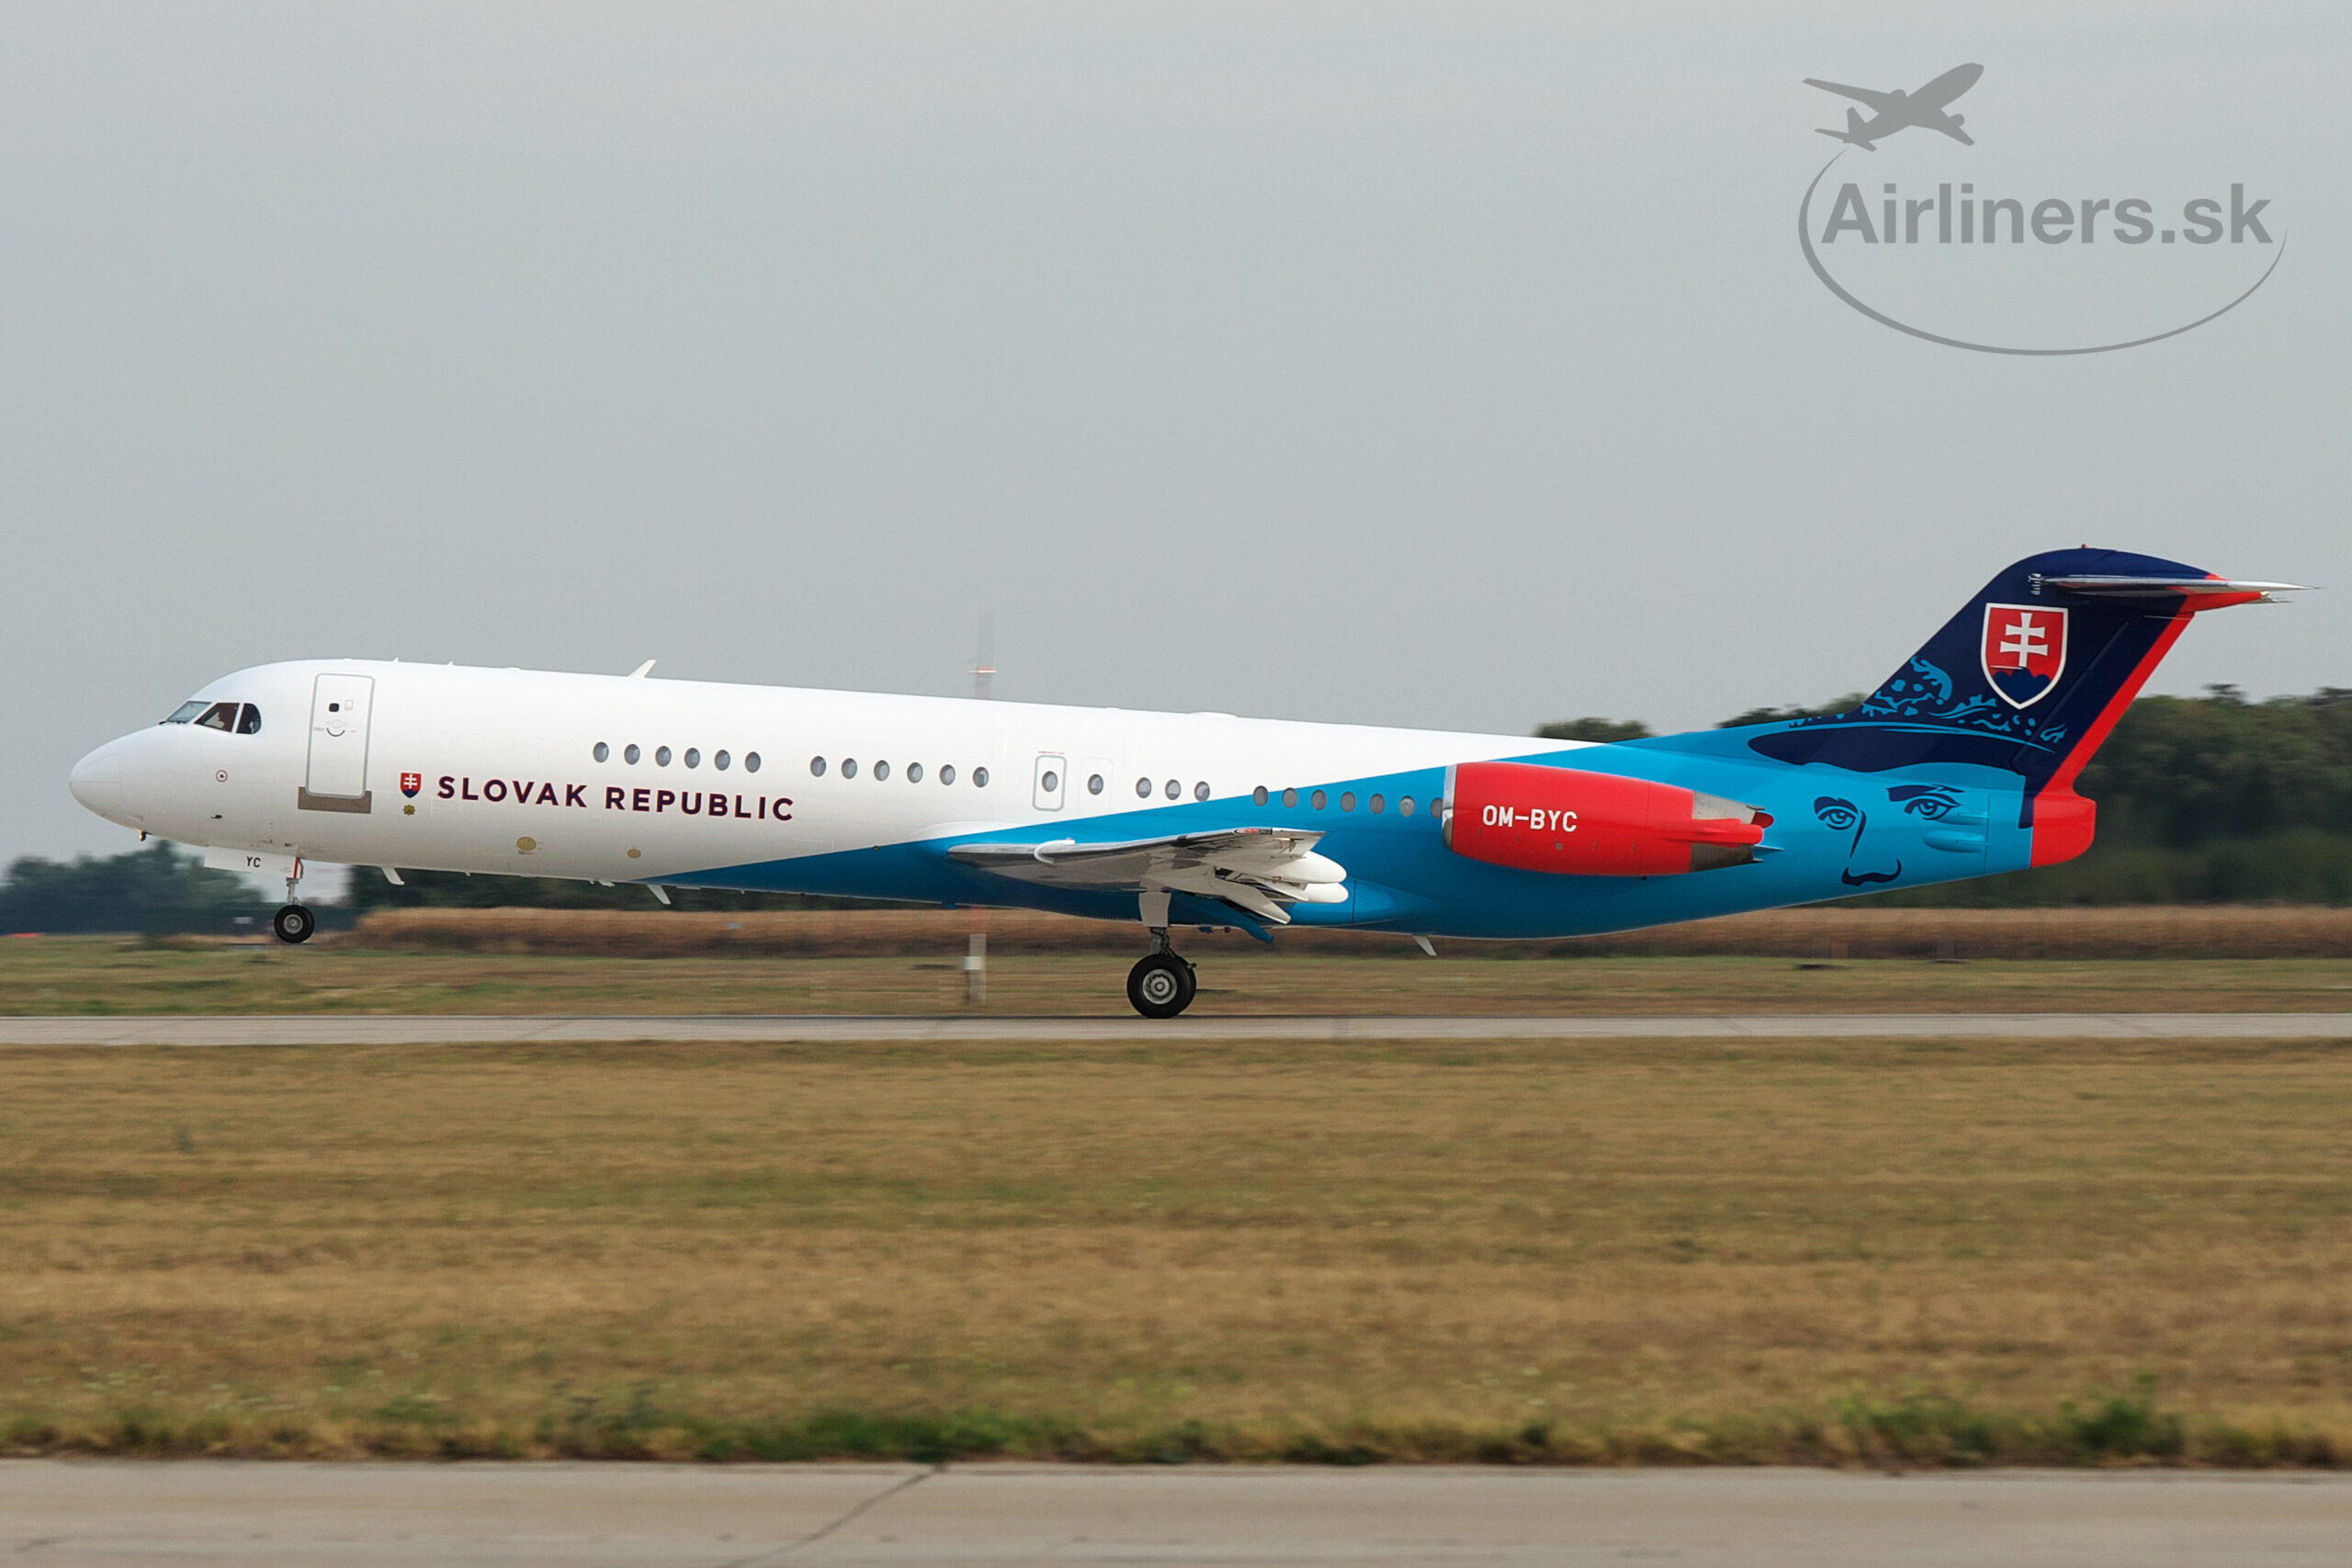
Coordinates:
<point>332,1029</point>
<point>630,1516</point>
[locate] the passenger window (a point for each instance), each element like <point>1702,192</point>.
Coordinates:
<point>849,767</point>
<point>602,751</point>
<point>219,716</point>
<point>1404,804</point>
<point>816,766</point>
<point>1290,799</point>
<point>721,760</point>
<point>629,753</point>
<point>881,770</point>
<point>694,758</point>
<point>661,756</point>
<point>1094,784</point>
<point>751,761</point>
<point>1258,797</point>
<point>947,773</point>
<point>1378,805</point>
<point>1316,800</point>
<point>1143,789</point>
<point>979,778</point>
<point>1174,789</point>
<point>1347,800</point>
<point>915,773</point>
<point>184,713</point>
<point>1201,791</point>
<point>249,720</point>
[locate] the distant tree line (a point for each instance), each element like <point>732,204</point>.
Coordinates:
<point>454,889</point>
<point>2211,799</point>
<point>163,890</point>
<point>159,890</point>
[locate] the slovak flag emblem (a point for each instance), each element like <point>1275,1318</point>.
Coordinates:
<point>2025,651</point>
<point>410,784</point>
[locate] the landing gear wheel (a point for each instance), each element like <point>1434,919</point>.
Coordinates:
<point>1161,985</point>
<point>293,923</point>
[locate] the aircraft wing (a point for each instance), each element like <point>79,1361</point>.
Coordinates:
<point>1262,871</point>
<point>1882,102</point>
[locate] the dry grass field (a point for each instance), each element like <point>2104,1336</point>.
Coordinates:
<point>2207,931</point>
<point>1833,1251</point>
<point>115,975</point>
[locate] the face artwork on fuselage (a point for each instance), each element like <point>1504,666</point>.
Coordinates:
<point>1930,801</point>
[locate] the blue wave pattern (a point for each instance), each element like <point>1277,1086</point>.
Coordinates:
<point>1922,691</point>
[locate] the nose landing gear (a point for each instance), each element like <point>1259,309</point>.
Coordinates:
<point>1161,985</point>
<point>293,923</point>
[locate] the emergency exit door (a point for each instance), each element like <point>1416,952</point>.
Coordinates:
<point>337,779</point>
<point>1050,782</point>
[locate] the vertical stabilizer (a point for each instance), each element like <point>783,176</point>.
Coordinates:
<point>2029,677</point>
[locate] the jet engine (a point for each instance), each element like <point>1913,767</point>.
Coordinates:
<point>1581,824</point>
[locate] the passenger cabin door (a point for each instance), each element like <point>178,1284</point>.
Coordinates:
<point>1052,780</point>
<point>338,780</point>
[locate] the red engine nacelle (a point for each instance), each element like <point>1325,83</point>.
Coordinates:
<point>1580,823</point>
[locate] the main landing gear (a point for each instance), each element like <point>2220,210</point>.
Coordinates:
<point>293,923</point>
<point>1161,985</point>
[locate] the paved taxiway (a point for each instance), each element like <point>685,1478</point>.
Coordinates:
<point>331,1029</point>
<point>630,1516</point>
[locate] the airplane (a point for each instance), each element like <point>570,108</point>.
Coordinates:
<point>1896,110</point>
<point>1962,763</point>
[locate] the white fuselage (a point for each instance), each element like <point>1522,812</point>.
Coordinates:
<point>472,744</point>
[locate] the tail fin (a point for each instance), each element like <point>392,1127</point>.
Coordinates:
<point>1852,134</point>
<point>2029,677</point>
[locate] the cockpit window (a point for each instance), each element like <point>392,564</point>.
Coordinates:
<point>219,716</point>
<point>185,712</point>
<point>249,720</point>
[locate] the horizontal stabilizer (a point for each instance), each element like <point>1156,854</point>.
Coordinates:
<point>2192,587</point>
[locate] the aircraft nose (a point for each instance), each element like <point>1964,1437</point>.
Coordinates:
<point>96,780</point>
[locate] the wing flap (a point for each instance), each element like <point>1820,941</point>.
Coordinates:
<point>1260,871</point>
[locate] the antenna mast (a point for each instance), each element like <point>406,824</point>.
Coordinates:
<point>975,951</point>
<point>983,666</point>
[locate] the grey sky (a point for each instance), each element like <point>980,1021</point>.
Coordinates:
<point>1450,365</point>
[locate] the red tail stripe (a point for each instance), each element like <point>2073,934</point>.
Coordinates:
<point>2092,739</point>
<point>2064,822</point>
